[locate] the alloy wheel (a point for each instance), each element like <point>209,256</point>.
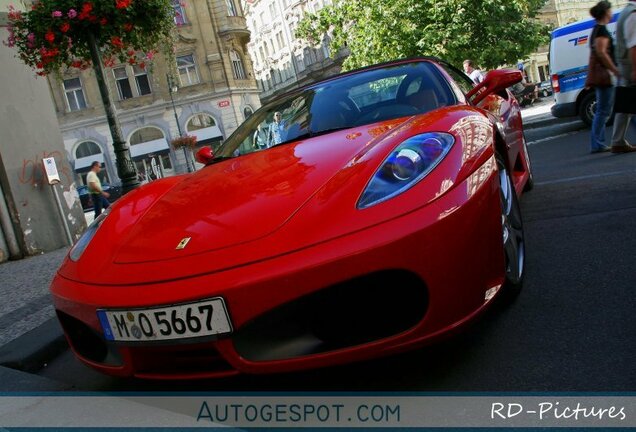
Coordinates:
<point>512,227</point>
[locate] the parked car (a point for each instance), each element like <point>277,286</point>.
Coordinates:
<point>385,216</point>
<point>87,201</point>
<point>545,88</point>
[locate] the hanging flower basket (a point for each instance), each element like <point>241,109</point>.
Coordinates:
<point>188,141</point>
<point>55,33</point>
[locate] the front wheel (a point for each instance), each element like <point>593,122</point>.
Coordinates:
<point>512,232</point>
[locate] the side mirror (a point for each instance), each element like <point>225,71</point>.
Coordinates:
<point>496,81</point>
<point>204,155</point>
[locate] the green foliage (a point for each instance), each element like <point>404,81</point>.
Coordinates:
<point>490,32</point>
<point>54,33</point>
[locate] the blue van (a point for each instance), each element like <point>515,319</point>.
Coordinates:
<point>569,56</point>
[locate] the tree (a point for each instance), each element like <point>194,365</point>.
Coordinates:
<point>489,32</point>
<point>59,34</point>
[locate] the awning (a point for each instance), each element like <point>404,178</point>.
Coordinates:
<point>148,147</point>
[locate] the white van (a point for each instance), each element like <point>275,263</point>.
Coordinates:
<point>569,55</point>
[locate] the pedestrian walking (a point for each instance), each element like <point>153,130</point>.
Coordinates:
<point>602,66</point>
<point>276,130</point>
<point>473,74</point>
<point>95,189</point>
<point>259,139</point>
<point>626,56</point>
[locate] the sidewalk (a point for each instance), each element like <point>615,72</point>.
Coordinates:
<point>538,114</point>
<point>26,302</point>
<point>29,331</point>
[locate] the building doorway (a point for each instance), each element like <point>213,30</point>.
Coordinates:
<point>151,154</point>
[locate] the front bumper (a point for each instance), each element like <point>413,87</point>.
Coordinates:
<point>433,266</point>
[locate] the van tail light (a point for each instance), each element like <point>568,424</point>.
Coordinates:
<point>555,83</point>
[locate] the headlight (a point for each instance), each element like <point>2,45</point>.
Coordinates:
<point>81,245</point>
<point>409,163</point>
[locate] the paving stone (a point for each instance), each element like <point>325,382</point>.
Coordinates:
<point>24,290</point>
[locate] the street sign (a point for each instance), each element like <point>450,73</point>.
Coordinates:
<point>53,178</point>
<point>224,103</point>
<point>50,169</point>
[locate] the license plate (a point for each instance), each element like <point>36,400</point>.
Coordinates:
<point>182,321</point>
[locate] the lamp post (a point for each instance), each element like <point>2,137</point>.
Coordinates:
<point>126,169</point>
<point>172,88</point>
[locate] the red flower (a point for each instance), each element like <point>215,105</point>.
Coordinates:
<point>76,64</point>
<point>103,21</point>
<point>86,11</point>
<point>49,36</point>
<point>116,41</point>
<point>48,54</point>
<point>128,27</point>
<point>65,27</point>
<point>130,52</point>
<point>132,60</point>
<point>122,4</point>
<point>142,65</point>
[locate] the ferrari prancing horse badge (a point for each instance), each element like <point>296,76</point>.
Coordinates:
<point>183,243</point>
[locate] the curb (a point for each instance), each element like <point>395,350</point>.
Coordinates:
<point>553,121</point>
<point>540,122</point>
<point>32,350</point>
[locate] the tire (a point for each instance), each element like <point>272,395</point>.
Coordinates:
<point>512,233</point>
<point>545,93</point>
<point>587,108</point>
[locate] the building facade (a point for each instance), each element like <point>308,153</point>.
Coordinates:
<point>208,92</point>
<point>282,62</point>
<point>35,215</point>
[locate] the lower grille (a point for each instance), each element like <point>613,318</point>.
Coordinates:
<point>354,312</point>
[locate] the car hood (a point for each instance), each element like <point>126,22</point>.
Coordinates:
<point>235,201</point>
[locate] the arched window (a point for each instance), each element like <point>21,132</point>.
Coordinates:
<point>146,134</point>
<point>205,128</point>
<point>150,153</point>
<point>247,111</point>
<point>200,121</point>
<point>87,149</point>
<point>237,65</point>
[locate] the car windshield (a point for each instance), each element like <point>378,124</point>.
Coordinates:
<point>348,101</point>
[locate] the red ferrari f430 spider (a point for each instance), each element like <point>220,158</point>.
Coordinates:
<point>359,216</point>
